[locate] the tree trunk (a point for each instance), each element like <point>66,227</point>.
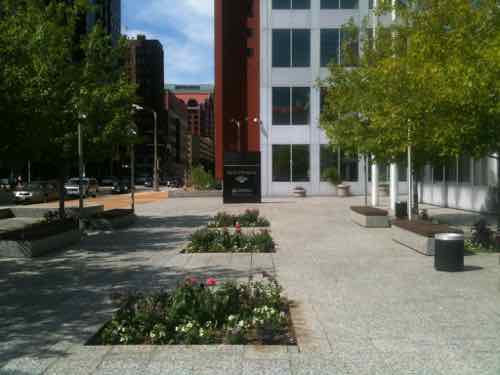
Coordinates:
<point>62,193</point>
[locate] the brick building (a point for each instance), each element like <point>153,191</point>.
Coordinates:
<point>201,123</point>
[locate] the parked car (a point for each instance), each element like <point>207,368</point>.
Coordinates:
<point>36,192</point>
<point>121,187</point>
<point>90,187</point>
<point>6,183</point>
<point>109,181</point>
<point>174,182</point>
<point>148,182</point>
<point>140,180</point>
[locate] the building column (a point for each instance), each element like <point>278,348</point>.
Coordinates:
<point>375,200</point>
<point>394,188</point>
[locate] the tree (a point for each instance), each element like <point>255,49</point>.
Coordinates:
<point>52,77</point>
<point>429,81</point>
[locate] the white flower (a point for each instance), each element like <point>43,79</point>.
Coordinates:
<point>230,318</point>
<point>152,335</point>
<point>241,324</point>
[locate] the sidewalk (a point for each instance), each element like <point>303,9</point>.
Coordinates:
<point>363,304</point>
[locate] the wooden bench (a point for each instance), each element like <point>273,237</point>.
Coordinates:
<point>370,217</point>
<point>418,234</point>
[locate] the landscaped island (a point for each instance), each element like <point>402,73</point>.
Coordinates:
<point>202,313</point>
<point>251,218</point>
<point>419,234</point>
<point>224,241</point>
<point>370,217</point>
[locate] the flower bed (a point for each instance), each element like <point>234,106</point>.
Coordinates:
<point>223,241</point>
<point>202,313</point>
<point>251,218</point>
<point>39,230</point>
<point>369,217</point>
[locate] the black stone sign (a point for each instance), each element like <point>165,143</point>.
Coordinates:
<point>242,177</point>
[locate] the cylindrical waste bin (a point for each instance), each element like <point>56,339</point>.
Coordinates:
<point>449,252</point>
<point>401,210</point>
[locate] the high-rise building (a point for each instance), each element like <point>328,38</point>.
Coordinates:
<point>145,66</point>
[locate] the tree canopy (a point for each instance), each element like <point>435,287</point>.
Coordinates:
<point>53,75</point>
<point>431,80</point>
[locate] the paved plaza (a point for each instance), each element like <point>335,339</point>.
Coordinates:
<point>362,304</point>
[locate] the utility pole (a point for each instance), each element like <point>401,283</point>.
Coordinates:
<point>80,173</point>
<point>155,168</point>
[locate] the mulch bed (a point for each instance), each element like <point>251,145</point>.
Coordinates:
<point>113,214</point>
<point>369,211</point>
<point>39,231</point>
<point>425,228</point>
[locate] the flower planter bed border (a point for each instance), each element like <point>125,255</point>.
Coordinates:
<point>113,219</point>
<point>213,240</point>
<point>249,219</point>
<point>419,235</point>
<point>370,217</point>
<point>168,319</point>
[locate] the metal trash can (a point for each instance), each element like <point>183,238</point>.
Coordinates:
<point>401,210</point>
<point>449,252</point>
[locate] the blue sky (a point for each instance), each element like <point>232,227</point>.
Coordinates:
<point>185,29</point>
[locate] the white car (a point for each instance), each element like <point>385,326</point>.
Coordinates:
<point>90,187</point>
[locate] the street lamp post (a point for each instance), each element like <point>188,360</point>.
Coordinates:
<point>80,172</point>
<point>132,176</point>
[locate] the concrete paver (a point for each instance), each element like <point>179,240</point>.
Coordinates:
<point>362,304</point>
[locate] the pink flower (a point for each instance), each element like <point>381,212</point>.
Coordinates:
<point>238,228</point>
<point>211,281</point>
<point>191,280</point>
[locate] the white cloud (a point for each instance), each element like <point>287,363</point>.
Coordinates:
<point>185,29</point>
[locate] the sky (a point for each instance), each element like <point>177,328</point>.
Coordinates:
<point>185,29</point>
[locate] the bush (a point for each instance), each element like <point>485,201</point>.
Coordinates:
<point>251,218</point>
<point>332,176</point>
<point>482,235</point>
<point>201,179</point>
<point>222,241</point>
<point>202,313</point>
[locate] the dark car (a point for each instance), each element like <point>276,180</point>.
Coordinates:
<point>148,182</point>
<point>174,182</point>
<point>121,187</point>
<point>109,181</point>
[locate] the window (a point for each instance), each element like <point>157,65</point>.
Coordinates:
<point>291,4</point>
<point>329,46</point>
<point>291,105</point>
<point>328,158</point>
<point>291,48</point>
<point>370,4</point>
<point>339,4</point>
<point>437,174</point>
<point>300,105</point>
<point>281,48</point>
<point>291,163</point>
<point>334,44</point>
<point>281,106</point>
<point>301,48</point>
<point>481,172</point>
<point>451,171</point>
<point>332,158</point>
<point>464,169</point>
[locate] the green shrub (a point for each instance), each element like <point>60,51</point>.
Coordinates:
<point>201,179</point>
<point>222,241</point>
<point>202,313</point>
<point>332,176</point>
<point>251,218</point>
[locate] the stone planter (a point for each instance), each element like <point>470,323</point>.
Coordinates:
<point>113,223</point>
<point>370,217</point>
<point>38,247</point>
<point>383,190</point>
<point>343,190</point>
<point>418,235</point>
<point>299,192</point>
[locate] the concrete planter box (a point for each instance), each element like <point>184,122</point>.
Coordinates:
<point>113,223</point>
<point>343,190</point>
<point>299,192</point>
<point>374,219</point>
<point>34,248</point>
<point>418,235</point>
<point>415,241</point>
